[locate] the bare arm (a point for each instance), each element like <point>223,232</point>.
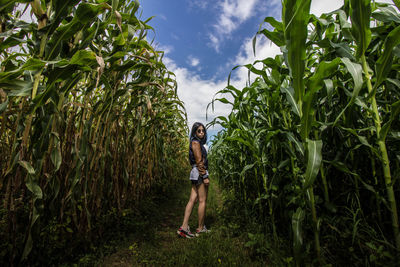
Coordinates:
<point>198,158</point>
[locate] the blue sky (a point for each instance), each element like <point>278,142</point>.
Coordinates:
<point>204,39</point>
<point>201,35</point>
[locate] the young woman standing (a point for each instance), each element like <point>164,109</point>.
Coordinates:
<point>199,178</point>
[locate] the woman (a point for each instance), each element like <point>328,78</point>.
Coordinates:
<point>199,178</point>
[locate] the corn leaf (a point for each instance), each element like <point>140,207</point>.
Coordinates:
<point>356,72</point>
<point>384,63</point>
<point>3,106</point>
<point>295,15</point>
<point>360,17</point>
<point>314,148</point>
<point>27,166</point>
<point>297,221</point>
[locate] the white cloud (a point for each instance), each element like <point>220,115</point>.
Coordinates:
<point>238,9</point>
<point>264,48</point>
<point>162,16</point>
<point>166,48</point>
<point>319,7</point>
<point>324,6</point>
<point>214,42</point>
<point>232,14</point>
<point>385,1</point>
<point>193,61</point>
<point>197,93</point>
<point>174,36</point>
<point>198,4</point>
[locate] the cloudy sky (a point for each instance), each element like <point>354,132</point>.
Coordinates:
<point>204,39</point>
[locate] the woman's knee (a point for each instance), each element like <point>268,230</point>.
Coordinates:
<point>202,199</point>
<point>202,193</point>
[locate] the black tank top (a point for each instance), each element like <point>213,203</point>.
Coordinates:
<point>203,154</point>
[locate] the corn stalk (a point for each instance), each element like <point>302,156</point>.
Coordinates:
<point>320,84</point>
<point>90,121</point>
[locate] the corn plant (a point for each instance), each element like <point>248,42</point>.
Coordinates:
<point>90,118</point>
<point>313,137</point>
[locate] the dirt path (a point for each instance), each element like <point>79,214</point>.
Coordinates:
<point>161,246</point>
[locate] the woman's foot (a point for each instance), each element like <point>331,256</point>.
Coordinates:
<point>201,231</point>
<point>185,233</point>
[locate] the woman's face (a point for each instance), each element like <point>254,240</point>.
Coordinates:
<point>200,132</point>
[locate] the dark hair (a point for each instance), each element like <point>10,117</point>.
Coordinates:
<point>193,135</point>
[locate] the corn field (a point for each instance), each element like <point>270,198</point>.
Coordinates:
<point>89,116</point>
<point>311,148</point>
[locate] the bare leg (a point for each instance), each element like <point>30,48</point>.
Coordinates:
<point>189,207</point>
<point>202,192</point>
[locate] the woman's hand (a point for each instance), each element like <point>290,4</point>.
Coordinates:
<point>206,181</point>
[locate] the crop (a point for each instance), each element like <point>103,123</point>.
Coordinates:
<point>89,116</point>
<point>311,146</point>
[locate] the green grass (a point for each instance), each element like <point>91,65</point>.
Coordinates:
<point>158,243</point>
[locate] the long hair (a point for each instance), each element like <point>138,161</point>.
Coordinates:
<point>193,135</point>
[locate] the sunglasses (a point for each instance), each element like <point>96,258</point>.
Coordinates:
<point>200,131</point>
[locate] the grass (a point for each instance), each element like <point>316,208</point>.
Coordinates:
<point>158,244</point>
